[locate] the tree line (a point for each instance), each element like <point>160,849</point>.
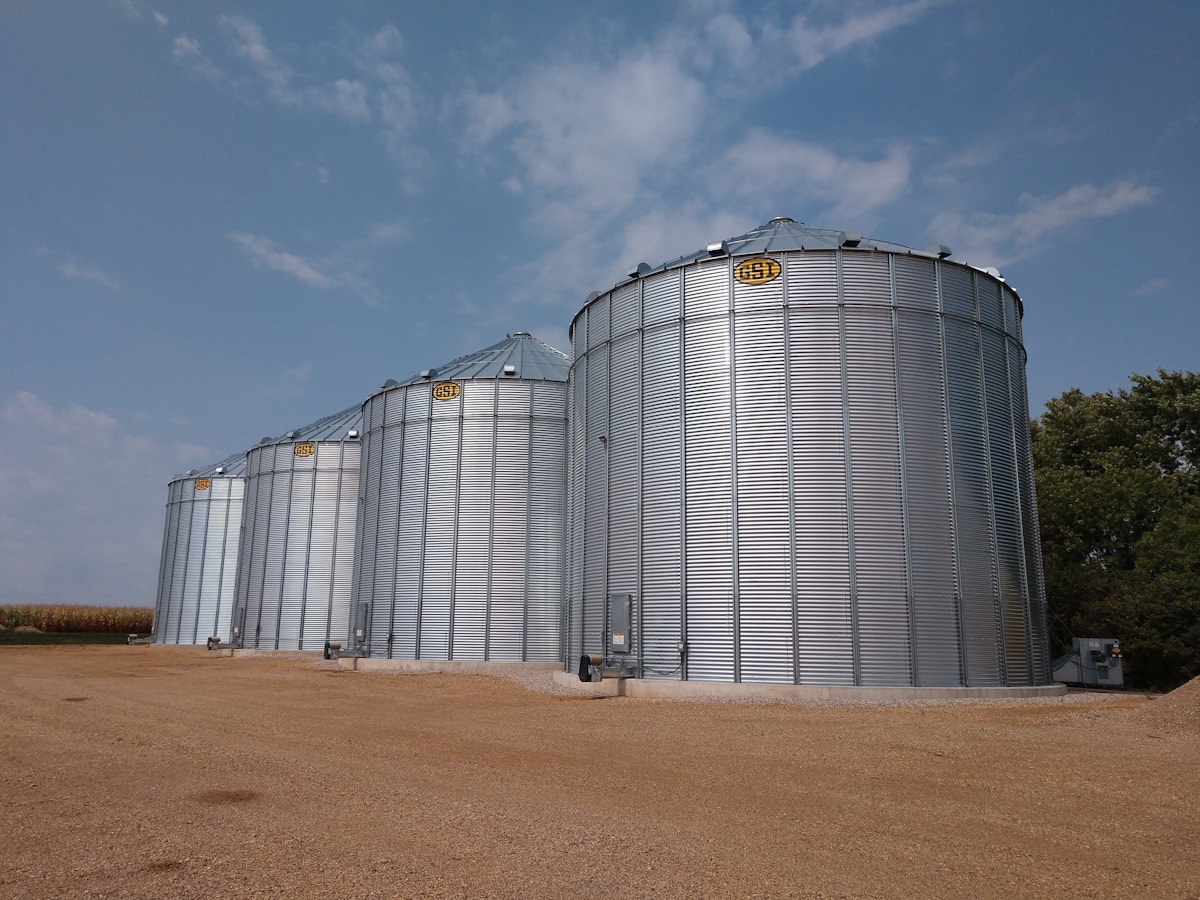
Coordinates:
<point>1118,491</point>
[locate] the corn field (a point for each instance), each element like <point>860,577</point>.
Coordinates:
<point>76,619</point>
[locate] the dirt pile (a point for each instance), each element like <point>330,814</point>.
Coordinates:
<point>1177,711</point>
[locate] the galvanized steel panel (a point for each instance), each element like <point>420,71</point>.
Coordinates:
<point>827,471</point>
<point>199,557</point>
<point>467,552</point>
<point>708,457</point>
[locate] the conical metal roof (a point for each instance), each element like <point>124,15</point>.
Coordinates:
<point>231,467</point>
<point>519,355</point>
<point>335,427</point>
<point>782,234</point>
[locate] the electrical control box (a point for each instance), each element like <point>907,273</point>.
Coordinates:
<point>362,622</point>
<point>239,625</point>
<point>1093,662</point>
<point>620,623</point>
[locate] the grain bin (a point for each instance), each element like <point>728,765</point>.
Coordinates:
<point>460,545</point>
<point>297,551</point>
<point>200,553</point>
<point>802,456</point>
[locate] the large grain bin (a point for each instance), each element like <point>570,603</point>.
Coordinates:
<point>200,553</point>
<point>802,456</point>
<point>460,546</point>
<point>297,551</point>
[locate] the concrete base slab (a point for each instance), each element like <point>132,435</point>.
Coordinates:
<point>280,654</point>
<point>708,690</point>
<point>450,666</point>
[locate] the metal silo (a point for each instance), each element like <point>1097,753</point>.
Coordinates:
<point>297,552</point>
<point>200,553</point>
<point>802,456</point>
<point>460,546</point>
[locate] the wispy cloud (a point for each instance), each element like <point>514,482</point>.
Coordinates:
<point>999,239</point>
<point>265,254</point>
<point>342,97</point>
<point>592,148</point>
<point>392,90</point>
<point>768,169</point>
<point>71,269</point>
<point>342,267</point>
<point>186,52</point>
<point>811,44</point>
<point>1153,286</point>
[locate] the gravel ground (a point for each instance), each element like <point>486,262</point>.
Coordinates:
<point>168,772</point>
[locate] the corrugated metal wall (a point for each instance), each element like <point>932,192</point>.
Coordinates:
<point>199,560</point>
<point>823,479</point>
<point>460,553</point>
<point>297,556</point>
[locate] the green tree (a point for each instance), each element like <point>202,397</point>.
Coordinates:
<point>1118,481</point>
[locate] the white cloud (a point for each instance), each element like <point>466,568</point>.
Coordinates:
<point>342,268</point>
<point>81,505</point>
<point>395,99</point>
<point>344,97</point>
<point>587,137</point>
<point>998,239</point>
<point>160,18</point>
<point>266,255</point>
<point>811,44</point>
<point>186,52</point>
<point>71,269</point>
<point>1153,286</point>
<point>767,169</point>
<point>594,149</point>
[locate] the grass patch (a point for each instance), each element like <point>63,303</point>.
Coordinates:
<point>10,637</point>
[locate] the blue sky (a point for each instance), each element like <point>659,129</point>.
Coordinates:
<point>224,220</point>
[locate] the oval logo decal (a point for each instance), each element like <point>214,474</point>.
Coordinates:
<point>759,270</point>
<point>202,484</point>
<point>446,390</point>
<point>305,449</point>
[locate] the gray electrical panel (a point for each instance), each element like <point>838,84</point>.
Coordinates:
<point>362,623</point>
<point>239,625</point>
<point>1093,662</point>
<point>620,623</point>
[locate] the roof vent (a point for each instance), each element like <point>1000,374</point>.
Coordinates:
<point>779,220</point>
<point>520,334</point>
<point>510,369</point>
<point>352,433</point>
<point>390,383</point>
<point>852,239</point>
<point>592,296</point>
<point>291,434</point>
<point>220,470</point>
<point>994,272</point>
<point>717,249</point>
<point>426,373</point>
<point>640,269</point>
<point>941,251</point>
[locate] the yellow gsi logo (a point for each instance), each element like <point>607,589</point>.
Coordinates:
<point>305,450</point>
<point>759,270</point>
<point>203,484</point>
<point>445,390</point>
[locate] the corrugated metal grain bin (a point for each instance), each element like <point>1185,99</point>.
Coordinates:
<point>460,548</point>
<point>200,553</point>
<point>805,456</point>
<point>297,552</point>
